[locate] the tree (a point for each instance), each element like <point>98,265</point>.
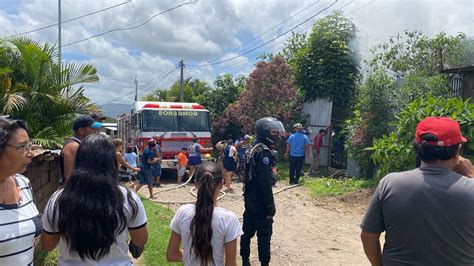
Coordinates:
<point>414,53</point>
<point>34,88</point>
<point>226,91</point>
<point>269,92</point>
<point>193,91</point>
<point>327,67</point>
<point>372,118</point>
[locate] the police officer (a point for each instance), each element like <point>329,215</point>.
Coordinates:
<point>258,194</point>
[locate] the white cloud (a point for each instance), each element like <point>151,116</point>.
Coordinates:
<point>208,31</point>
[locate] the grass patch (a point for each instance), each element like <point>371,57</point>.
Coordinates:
<point>159,219</point>
<point>46,258</point>
<point>332,187</point>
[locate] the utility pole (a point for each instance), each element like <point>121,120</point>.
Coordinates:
<point>181,95</point>
<point>136,88</point>
<point>59,34</point>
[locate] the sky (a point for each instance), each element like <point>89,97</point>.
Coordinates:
<point>147,39</point>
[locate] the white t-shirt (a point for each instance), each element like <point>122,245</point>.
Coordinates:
<point>225,228</point>
<point>232,151</point>
<point>118,254</point>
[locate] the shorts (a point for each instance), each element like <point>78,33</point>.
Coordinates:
<point>145,176</point>
<point>194,160</point>
<point>181,170</point>
<point>156,169</point>
<point>229,165</point>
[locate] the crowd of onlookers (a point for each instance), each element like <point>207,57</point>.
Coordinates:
<point>426,213</point>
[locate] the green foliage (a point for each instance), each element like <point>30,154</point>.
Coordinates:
<point>371,119</point>
<point>34,88</point>
<point>394,152</point>
<point>226,91</point>
<point>46,258</point>
<point>326,66</point>
<point>414,53</point>
<point>193,91</point>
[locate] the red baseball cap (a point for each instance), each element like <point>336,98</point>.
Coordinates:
<point>445,129</point>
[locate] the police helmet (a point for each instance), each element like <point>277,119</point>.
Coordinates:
<point>269,130</point>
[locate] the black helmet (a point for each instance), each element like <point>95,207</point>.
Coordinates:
<point>269,130</point>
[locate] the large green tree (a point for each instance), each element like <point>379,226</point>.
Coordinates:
<point>414,53</point>
<point>34,88</point>
<point>327,66</point>
<point>193,91</point>
<point>226,90</point>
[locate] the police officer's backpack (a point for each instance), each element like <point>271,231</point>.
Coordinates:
<point>250,163</point>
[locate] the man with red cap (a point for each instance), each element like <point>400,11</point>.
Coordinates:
<point>427,213</point>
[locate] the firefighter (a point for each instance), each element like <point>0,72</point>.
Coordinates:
<point>258,194</point>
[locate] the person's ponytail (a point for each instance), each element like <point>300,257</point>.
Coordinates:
<point>201,225</point>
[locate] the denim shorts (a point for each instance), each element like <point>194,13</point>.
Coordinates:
<point>156,169</point>
<point>145,176</point>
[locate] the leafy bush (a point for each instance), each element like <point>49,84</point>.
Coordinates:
<point>375,110</point>
<point>394,152</point>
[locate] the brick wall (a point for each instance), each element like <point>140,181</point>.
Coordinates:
<point>44,174</point>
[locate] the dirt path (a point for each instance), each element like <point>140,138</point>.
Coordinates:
<point>306,231</point>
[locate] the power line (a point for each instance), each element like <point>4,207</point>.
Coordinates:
<point>142,87</point>
<point>273,39</point>
<point>275,26</point>
<point>129,27</point>
<point>157,78</point>
<point>245,61</point>
<point>69,20</point>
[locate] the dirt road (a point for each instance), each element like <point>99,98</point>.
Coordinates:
<point>306,231</point>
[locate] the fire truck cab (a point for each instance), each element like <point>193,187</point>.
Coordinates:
<point>175,123</point>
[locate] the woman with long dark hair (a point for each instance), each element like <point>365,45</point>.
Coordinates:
<point>93,215</point>
<point>20,222</point>
<point>208,233</point>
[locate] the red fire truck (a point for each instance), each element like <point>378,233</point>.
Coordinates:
<point>175,123</point>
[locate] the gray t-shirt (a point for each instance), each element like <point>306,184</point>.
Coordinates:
<point>428,216</point>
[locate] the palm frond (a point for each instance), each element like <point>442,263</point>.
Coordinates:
<point>48,138</point>
<point>13,102</point>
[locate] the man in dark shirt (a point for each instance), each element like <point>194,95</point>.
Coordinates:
<point>258,194</point>
<point>427,213</point>
<point>147,160</point>
<point>82,126</point>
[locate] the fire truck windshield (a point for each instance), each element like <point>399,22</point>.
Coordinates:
<point>174,120</point>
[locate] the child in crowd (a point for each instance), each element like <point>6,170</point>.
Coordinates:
<point>182,164</point>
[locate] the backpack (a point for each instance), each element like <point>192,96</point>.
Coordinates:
<point>249,162</point>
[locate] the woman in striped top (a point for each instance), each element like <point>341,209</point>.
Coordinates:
<point>20,223</point>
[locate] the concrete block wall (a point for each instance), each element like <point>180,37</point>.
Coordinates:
<point>44,174</point>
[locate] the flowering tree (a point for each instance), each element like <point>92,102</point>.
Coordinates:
<point>269,92</point>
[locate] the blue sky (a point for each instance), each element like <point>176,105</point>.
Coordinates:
<point>207,31</point>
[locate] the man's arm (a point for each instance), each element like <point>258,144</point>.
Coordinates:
<point>69,154</point>
<point>288,147</point>
<point>372,249</point>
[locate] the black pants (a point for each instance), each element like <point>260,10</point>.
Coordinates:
<point>296,163</point>
<point>256,221</point>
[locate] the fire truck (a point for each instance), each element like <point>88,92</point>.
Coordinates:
<point>175,123</point>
